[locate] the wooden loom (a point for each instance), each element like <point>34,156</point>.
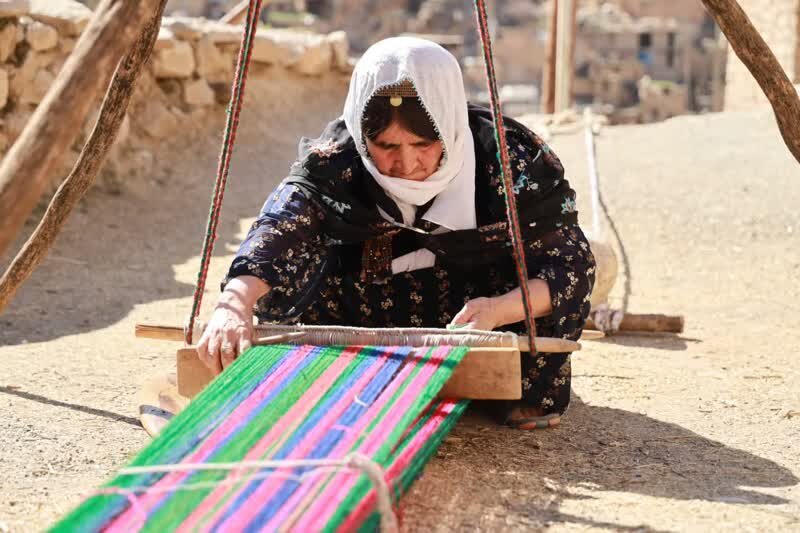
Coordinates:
<point>490,371</point>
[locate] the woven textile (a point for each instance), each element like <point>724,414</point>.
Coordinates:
<point>287,403</point>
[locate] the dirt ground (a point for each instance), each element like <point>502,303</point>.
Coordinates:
<point>699,431</point>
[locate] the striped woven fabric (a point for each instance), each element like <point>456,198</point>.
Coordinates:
<point>286,403</point>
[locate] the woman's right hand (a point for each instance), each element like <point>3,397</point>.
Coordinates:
<point>229,332</point>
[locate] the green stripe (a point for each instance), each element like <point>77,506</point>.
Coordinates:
<point>383,455</point>
<point>246,373</point>
<point>180,504</point>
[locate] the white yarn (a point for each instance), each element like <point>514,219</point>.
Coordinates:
<point>353,460</point>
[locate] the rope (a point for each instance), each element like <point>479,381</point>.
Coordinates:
<point>231,125</point>
<point>606,319</point>
<point>354,460</point>
<point>505,172</point>
<point>234,110</point>
<point>591,152</point>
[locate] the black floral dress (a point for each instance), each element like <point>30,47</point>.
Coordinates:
<point>320,276</point>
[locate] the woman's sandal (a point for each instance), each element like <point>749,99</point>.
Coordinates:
<point>533,422</point>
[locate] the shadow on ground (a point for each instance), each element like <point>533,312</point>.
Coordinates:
<point>655,341</point>
<point>596,449</point>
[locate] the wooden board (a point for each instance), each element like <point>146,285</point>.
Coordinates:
<point>159,401</point>
<point>487,374</point>
<point>484,374</point>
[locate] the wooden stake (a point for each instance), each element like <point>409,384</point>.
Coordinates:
<point>753,51</point>
<point>39,152</point>
<point>647,323</point>
<point>112,113</point>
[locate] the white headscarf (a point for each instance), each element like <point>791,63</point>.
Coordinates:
<point>436,75</point>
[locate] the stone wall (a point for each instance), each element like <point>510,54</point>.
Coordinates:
<point>777,21</point>
<point>186,81</point>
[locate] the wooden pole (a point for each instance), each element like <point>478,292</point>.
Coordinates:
<point>646,324</point>
<point>573,42</point>
<point>563,55</point>
<point>112,112</point>
<point>549,74</point>
<point>39,152</point>
<point>753,51</point>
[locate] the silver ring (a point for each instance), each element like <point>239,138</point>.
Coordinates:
<point>227,348</point>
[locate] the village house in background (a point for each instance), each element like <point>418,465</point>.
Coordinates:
<point>635,60</point>
<point>666,61</point>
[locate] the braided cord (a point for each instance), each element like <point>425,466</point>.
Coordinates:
<point>231,125</point>
<point>505,172</point>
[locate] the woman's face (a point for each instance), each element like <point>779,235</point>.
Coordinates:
<point>401,154</point>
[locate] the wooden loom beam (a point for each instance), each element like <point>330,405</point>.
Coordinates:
<point>175,333</point>
<point>756,55</point>
<point>483,374</point>
<point>112,112</point>
<point>39,152</point>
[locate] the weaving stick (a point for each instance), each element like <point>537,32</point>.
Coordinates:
<point>387,336</point>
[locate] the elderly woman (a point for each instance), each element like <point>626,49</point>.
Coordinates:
<point>395,217</point>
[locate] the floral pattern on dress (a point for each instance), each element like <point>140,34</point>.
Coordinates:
<point>316,281</point>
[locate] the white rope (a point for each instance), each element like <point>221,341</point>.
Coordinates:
<point>591,152</point>
<point>356,461</point>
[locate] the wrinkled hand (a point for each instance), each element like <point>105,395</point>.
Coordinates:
<point>479,313</point>
<point>228,334</point>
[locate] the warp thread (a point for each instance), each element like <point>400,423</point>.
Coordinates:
<point>306,438</point>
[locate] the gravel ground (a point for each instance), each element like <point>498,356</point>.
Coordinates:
<point>688,432</point>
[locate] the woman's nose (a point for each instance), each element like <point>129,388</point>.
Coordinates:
<point>406,160</point>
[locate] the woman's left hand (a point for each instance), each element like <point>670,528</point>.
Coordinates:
<point>479,313</point>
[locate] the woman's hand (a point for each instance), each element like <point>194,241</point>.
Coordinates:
<point>489,313</point>
<point>479,313</point>
<point>229,332</point>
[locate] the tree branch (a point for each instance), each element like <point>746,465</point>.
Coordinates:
<point>39,152</point>
<point>112,113</point>
<point>753,51</point>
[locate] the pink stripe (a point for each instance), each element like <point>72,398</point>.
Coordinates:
<point>306,446</point>
<point>311,488</point>
<point>323,507</point>
<point>355,519</point>
<point>271,439</point>
<point>127,520</point>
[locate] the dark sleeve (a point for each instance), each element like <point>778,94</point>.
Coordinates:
<point>556,249</point>
<point>285,246</point>
<point>564,260</point>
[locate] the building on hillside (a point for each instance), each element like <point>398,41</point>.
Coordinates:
<point>691,11</point>
<point>616,49</point>
<point>778,21</point>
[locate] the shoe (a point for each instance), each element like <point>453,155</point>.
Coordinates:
<point>533,422</point>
